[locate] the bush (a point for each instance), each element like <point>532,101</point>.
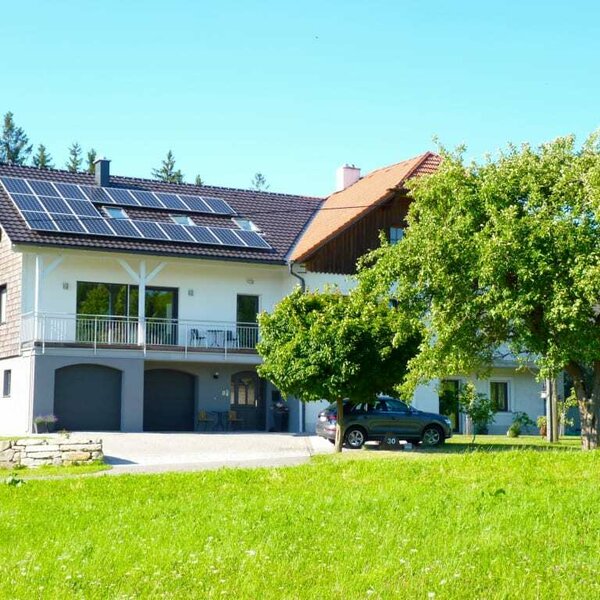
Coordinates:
<point>521,420</point>
<point>478,407</point>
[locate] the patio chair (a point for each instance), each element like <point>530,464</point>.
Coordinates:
<point>233,420</point>
<point>231,339</point>
<point>195,337</point>
<point>204,420</point>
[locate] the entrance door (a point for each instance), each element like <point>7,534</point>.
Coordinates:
<point>449,390</point>
<point>247,319</point>
<point>161,315</point>
<point>168,400</point>
<point>247,401</point>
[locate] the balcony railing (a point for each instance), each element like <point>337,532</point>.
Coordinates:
<point>131,332</point>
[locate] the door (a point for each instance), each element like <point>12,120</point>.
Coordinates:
<point>168,400</point>
<point>247,321</point>
<point>449,390</point>
<point>402,420</point>
<point>161,315</point>
<point>247,400</point>
<point>87,398</point>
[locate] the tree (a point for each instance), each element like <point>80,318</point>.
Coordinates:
<point>14,144</point>
<point>42,158</point>
<point>91,160</point>
<point>504,252</point>
<point>259,183</point>
<point>199,180</point>
<point>167,172</point>
<point>326,345</point>
<point>478,408</point>
<point>75,159</point>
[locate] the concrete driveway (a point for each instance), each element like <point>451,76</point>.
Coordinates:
<point>158,452</point>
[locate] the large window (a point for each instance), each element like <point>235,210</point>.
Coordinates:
<point>499,395</point>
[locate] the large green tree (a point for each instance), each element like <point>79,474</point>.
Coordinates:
<point>42,158</point>
<point>325,345</point>
<point>91,160</point>
<point>504,255</point>
<point>14,143</point>
<point>167,172</point>
<point>75,159</point>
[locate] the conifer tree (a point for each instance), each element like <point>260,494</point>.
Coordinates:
<point>42,158</point>
<point>259,183</point>
<point>199,180</point>
<point>167,171</point>
<point>75,159</point>
<point>91,159</point>
<point>14,143</point>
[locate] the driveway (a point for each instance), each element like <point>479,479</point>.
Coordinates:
<point>157,452</point>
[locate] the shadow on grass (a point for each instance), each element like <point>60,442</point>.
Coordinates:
<point>465,447</point>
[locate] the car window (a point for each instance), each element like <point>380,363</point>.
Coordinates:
<point>397,406</point>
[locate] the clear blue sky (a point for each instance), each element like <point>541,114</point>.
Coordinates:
<point>294,89</point>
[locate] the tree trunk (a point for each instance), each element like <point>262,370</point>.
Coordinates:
<point>339,428</point>
<point>589,404</point>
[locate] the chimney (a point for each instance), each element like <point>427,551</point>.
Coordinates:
<point>345,176</point>
<point>102,172</point>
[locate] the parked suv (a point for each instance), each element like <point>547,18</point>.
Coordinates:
<point>373,420</point>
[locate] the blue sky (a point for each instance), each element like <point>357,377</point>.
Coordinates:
<point>294,89</point>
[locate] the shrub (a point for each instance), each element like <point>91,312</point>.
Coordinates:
<point>478,407</point>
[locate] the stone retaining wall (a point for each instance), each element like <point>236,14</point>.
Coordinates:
<point>57,451</point>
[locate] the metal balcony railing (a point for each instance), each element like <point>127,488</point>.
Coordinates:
<point>102,330</point>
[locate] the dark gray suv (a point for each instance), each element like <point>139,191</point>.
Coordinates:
<point>373,420</point>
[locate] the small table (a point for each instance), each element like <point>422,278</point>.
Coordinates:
<point>215,338</point>
<point>220,420</point>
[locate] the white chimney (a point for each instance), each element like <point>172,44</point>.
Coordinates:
<point>345,176</point>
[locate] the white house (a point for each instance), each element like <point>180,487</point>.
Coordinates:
<point>130,304</point>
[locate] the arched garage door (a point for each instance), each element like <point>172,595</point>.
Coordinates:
<point>88,398</point>
<point>168,400</point>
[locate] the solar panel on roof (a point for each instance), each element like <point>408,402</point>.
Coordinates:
<point>147,199</point>
<point>227,236</point>
<point>70,190</point>
<point>122,196</point>
<point>43,188</point>
<point>16,186</point>
<point>57,205</point>
<point>96,194</point>
<point>202,234</point>
<point>196,204</point>
<point>124,227</point>
<point>26,202</point>
<point>171,201</point>
<point>83,208</point>
<point>38,220</point>
<point>219,206</point>
<point>97,226</point>
<point>151,230</point>
<point>177,232</point>
<point>253,239</point>
<point>67,223</point>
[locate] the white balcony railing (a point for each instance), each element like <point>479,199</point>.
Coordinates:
<point>102,330</point>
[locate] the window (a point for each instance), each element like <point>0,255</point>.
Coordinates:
<point>499,395</point>
<point>3,304</point>
<point>115,213</point>
<point>6,383</point>
<point>396,234</point>
<point>245,224</point>
<point>182,219</point>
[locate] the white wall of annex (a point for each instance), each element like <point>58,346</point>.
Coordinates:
<point>14,409</point>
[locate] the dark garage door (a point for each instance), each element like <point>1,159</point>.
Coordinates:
<point>88,398</point>
<point>168,400</point>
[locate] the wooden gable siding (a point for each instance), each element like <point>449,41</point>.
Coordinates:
<point>340,254</point>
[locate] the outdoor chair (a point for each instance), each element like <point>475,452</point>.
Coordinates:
<point>231,339</point>
<point>195,337</point>
<point>204,420</point>
<point>233,420</point>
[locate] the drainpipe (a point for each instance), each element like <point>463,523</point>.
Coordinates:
<point>302,415</point>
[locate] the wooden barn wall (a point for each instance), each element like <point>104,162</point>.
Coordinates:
<point>340,254</point>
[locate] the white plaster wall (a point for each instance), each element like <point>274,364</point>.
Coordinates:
<point>14,410</point>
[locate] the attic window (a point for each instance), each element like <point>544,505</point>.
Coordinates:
<point>396,234</point>
<point>115,213</point>
<point>245,224</point>
<point>182,219</point>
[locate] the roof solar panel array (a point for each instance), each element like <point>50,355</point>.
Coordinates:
<point>69,208</point>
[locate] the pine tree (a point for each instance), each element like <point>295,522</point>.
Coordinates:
<point>75,159</point>
<point>42,158</point>
<point>91,159</point>
<point>259,183</point>
<point>199,180</point>
<point>167,172</point>
<point>14,144</point>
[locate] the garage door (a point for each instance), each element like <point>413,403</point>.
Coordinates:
<point>88,398</point>
<point>168,400</point>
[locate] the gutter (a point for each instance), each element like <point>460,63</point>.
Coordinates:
<point>297,276</point>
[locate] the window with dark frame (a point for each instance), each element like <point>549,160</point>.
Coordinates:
<point>396,234</point>
<point>6,383</point>
<point>3,304</point>
<point>499,395</point>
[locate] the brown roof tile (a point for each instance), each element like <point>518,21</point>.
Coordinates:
<point>344,208</point>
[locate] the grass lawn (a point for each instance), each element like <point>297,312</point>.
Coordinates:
<point>51,471</point>
<point>493,522</point>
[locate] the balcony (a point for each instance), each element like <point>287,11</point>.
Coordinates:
<point>101,331</point>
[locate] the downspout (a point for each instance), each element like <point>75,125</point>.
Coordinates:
<point>302,424</point>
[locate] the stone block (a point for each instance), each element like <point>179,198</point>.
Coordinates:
<point>31,441</point>
<point>57,461</point>
<point>40,455</point>
<point>5,445</point>
<point>7,465</point>
<point>42,448</point>
<point>75,456</point>
<point>7,455</point>
<point>97,456</point>
<point>36,462</point>
<point>80,447</point>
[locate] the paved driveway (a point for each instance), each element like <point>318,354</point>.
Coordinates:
<point>154,452</point>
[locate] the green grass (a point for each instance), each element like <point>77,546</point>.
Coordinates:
<point>51,471</point>
<point>483,523</point>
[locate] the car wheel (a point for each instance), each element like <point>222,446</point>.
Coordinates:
<point>432,436</point>
<point>355,438</point>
